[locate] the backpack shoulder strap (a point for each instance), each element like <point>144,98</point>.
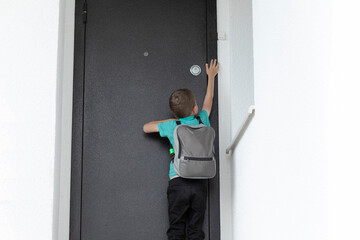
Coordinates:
<point>172,153</point>
<point>199,119</point>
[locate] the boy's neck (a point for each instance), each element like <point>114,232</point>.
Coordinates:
<point>193,114</point>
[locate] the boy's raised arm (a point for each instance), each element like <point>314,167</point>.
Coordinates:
<point>211,71</point>
<point>152,126</point>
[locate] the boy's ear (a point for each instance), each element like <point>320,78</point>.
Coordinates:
<point>194,108</point>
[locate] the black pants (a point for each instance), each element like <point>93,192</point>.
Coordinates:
<point>187,201</point>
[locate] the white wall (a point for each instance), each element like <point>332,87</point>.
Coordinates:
<point>36,62</point>
<point>343,118</point>
<point>280,167</point>
<point>295,171</point>
<point>236,94</point>
<point>64,116</point>
<point>28,78</point>
<point>223,25</point>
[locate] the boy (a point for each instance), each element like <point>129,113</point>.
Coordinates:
<point>186,197</point>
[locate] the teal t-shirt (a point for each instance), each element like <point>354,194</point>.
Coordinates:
<point>166,129</point>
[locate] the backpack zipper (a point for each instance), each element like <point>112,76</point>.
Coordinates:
<point>198,158</point>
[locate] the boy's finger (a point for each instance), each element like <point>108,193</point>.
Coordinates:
<point>206,65</point>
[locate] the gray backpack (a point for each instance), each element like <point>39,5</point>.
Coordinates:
<point>193,154</point>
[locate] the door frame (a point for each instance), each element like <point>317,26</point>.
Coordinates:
<point>77,122</point>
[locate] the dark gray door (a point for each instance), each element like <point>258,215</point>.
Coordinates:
<point>130,55</point>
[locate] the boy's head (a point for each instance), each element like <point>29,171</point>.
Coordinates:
<point>183,103</point>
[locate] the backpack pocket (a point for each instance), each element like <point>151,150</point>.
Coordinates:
<point>197,167</point>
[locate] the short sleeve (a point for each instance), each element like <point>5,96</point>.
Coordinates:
<point>204,117</point>
<point>166,128</point>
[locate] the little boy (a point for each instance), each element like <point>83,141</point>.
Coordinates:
<point>186,197</point>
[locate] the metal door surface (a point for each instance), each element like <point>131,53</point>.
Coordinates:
<point>130,55</point>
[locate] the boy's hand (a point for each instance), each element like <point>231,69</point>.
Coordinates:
<point>213,69</point>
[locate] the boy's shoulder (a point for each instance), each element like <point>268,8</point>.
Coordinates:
<point>166,129</point>
<point>204,117</point>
